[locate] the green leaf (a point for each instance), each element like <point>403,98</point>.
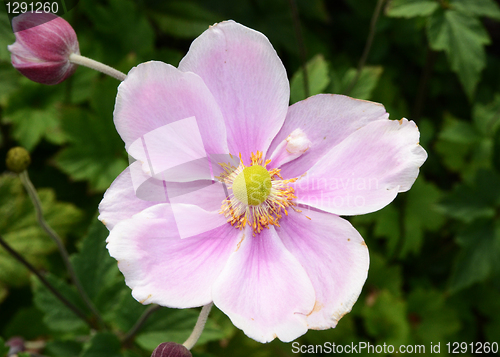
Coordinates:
<point>364,86</point>
<point>10,82</point>
<point>93,265</point>
<point>384,276</point>
<point>96,152</point>
<point>57,316</point>
<point>27,322</point>
<point>6,37</point>
<point>125,18</point>
<point>386,225</point>
<point>421,214</point>
<point>102,344</point>
<point>33,112</point>
<point>63,348</point>
<point>31,125</point>
<point>385,318</point>
<point>20,229</point>
<point>468,203</point>
<point>411,8</point>
<point>176,326</point>
<point>462,37</point>
<point>317,76</point>
<point>496,150</point>
<point>480,254</point>
<point>433,319</point>
<point>183,19</point>
<point>488,8</point>
<point>4,349</point>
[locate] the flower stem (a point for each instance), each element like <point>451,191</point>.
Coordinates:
<point>98,66</point>
<point>140,322</point>
<point>368,46</point>
<point>45,282</point>
<point>28,185</point>
<point>198,328</point>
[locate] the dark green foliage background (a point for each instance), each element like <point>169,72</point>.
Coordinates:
<point>435,251</point>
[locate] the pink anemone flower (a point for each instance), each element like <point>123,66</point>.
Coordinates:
<point>235,197</point>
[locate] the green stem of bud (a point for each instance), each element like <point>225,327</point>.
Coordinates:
<point>98,66</point>
<point>198,328</point>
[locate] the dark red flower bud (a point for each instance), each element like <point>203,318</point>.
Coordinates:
<point>43,45</point>
<point>171,349</point>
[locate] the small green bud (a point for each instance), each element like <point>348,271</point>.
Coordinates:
<point>18,159</point>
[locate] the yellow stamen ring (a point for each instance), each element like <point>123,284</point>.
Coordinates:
<point>258,196</point>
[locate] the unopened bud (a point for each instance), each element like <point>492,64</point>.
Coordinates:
<point>18,159</point>
<point>43,45</point>
<point>171,349</point>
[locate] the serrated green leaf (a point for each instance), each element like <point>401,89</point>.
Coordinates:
<point>102,344</point>
<point>33,112</point>
<point>386,225</point>
<point>176,326</point>
<point>10,82</point>
<point>93,265</point>
<point>480,254</point>
<point>317,76</point>
<point>462,37</point>
<point>6,37</point>
<point>57,316</point>
<point>411,8</point>
<point>468,203</point>
<point>64,348</point>
<point>184,19</point>
<point>433,319</point>
<point>31,125</point>
<point>366,83</point>
<point>458,131</point>
<point>27,322</point>
<point>421,214</point>
<point>496,150</point>
<point>385,318</point>
<point>125,18</point>
<point>20,229</point>
<point>486,117</point>
<point>486,8</point>
<point>4,349</point>
<point>96,152</point>
<point>384,276</point>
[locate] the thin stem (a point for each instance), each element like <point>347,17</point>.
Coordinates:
<point>45,282</point>
<point>98,66</point>
<point>28,185</point>
<point>368,45</point>
<point>140,322</point>
<point>198,328</point>
<point>300,41</point>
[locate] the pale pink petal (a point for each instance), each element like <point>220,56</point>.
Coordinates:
<point>156,94</point>
<point>162,268</point>
<point>248,80</point>
<point>334,256</point>
<point>133,191</point>
<point>264,290</point>
<point>365,171</point>
<point>128,195</point>
<point>326,120</point>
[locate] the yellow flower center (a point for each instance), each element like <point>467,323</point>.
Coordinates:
<point>253,185</point>
<point>258,197</point>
